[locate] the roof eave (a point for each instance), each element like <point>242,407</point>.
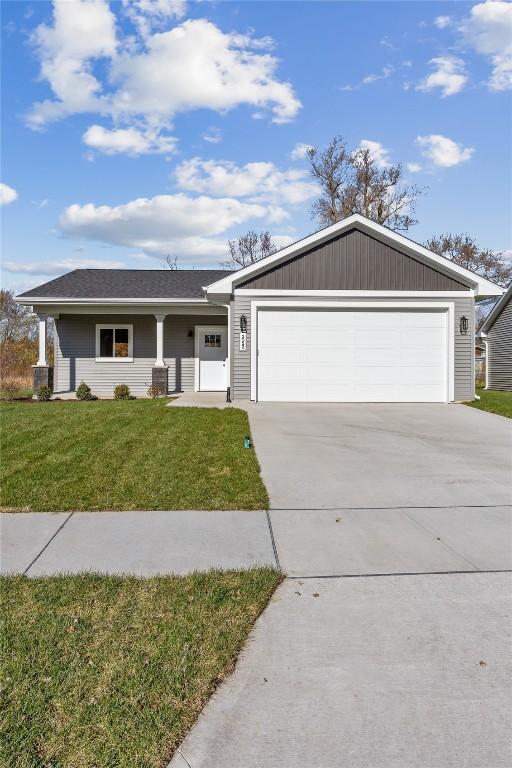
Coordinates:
<point>72,301</point>
<point>496,311</point>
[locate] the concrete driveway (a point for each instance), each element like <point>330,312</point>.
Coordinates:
<point>319,456</point>
<point>359,489</point>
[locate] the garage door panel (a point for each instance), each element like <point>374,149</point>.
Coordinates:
<point>352,356</point>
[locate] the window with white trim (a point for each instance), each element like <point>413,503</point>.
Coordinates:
<point>114,343</point>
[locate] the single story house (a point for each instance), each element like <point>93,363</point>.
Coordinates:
<point>496,334</point>
<point>353,313</point>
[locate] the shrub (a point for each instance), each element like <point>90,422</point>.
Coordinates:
<point>154,391</point>
<point>83,391</point>
<point>122,392</point>
<point>9,387</point>
<point>44,393</point>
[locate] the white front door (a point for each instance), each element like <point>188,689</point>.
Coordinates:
<point>211,354</point>
<point>352,356</point>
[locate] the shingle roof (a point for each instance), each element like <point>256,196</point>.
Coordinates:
<point>129,284</point>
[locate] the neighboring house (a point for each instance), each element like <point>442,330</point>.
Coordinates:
<point>352,313</point>
<point>496,333</point>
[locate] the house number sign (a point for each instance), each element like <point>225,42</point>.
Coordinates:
<point>243,342</point>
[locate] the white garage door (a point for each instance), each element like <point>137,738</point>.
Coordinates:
<point>352,356</point>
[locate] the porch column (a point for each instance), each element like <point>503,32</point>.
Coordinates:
<point>159,362</point>
<point>159,372</point>
<point>42,340</point>
<point>42,373</point>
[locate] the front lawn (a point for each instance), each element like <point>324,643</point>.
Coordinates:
<point>493,401</point>
<point>111,671</point>
<point>137,454</point>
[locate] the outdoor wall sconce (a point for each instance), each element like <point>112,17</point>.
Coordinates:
<point>190,334</point>
<point>243,324</point>
<point>463,325</point>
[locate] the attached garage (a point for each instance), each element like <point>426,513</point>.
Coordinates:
<point>352,313</point>
<point>345,355</point>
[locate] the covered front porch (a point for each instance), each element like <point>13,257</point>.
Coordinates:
<point>171,348</point>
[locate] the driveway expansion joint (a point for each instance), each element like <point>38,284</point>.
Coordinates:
<point>59,529</point>
<point>274,546</point>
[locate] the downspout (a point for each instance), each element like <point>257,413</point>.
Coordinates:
<point>487,361</point>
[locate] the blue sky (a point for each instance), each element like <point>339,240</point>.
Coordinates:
<point>139,128</point>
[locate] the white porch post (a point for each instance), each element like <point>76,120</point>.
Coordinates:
<point>42,361</point>
<point>159,362</point>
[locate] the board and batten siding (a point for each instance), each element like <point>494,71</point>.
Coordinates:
<point>499,351</point>
<point>464,346</point>
<point>356,261</point>
<point>76,352</point>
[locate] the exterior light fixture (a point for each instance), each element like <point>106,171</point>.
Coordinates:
<point>190,334</point>
<point>463,325</point>
<point>243,324</point>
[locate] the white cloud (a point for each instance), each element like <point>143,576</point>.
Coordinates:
<point>300,151</point>
<point>7,194</point>
<point>260,182</point>
<point>441,22</point>
<point>449,75</point>
<point>385,72</point>
<point>382,75</point>
<point>507,255</point>
<point>189,227</point>
<point>213,135</point>
<point>82,31</point>
<point>378,152</point>
<point>194,65</point>
<point>488,29</point>
<point>128,140</point>
<point>153,14</point>
<point>58,267</point>
<point>413,167</point>
<point>442,151</point>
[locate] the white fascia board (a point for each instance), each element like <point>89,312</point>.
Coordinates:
<point>30,300</point>
<point>482,286</point>
<point>361,294</point>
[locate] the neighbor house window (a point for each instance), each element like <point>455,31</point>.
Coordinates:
<point>114,342</point>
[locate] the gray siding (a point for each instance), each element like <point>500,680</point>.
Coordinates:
<point>76,352</point>
<point>354,261</point>
<point>464,348</point>
<point>499,347</point>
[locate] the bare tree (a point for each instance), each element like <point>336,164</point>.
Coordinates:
<point>353,182</point>
<point>170,262</point>
<point>16,321</point>
<point>463,250</point>
<point>249,248</point>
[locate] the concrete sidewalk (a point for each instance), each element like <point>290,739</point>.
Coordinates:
<point>387,672</point>
<point>140,543</point>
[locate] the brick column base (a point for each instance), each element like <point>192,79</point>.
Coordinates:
<point>41,375</point>
<point>159,379</point>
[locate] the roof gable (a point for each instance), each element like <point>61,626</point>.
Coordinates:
<point>354,260</point>
<point>478,284</point>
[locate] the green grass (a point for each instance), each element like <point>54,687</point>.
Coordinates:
<point>109,671</point>
<point>137,454</point>
<point>493,401</point>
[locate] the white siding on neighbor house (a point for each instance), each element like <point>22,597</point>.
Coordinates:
<point>76,352</point>
<point>464,372</point>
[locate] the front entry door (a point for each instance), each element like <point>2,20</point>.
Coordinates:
<point>211,351</point>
